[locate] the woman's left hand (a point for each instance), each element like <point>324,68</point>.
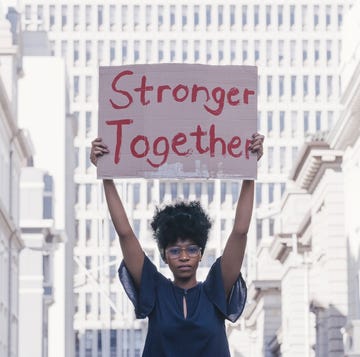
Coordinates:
<point>257,145</point>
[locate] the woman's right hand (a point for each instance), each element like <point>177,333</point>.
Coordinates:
<point>97,149</point>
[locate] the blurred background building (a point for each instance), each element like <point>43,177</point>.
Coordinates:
<point>302,264</point>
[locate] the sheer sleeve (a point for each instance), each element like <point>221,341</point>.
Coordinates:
<point>232,307</point>
<point>143,299</point>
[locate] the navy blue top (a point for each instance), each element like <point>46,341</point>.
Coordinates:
<point>170,334</point>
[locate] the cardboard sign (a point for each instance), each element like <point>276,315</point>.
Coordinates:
<point>177,121</point>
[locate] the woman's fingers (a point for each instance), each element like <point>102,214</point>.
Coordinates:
<point>257,144</point>
<point>97,149</point>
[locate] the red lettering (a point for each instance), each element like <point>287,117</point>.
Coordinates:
<point>214,140</point>
<point>160,92</point>
<point>247,144</point>
<point>164,153</point>
<point>178,140</point>
<point>123,92</point>
<point>135,141</point>
<point>219,100</point>
<point>196,89</point>
<point>246,94</point>
<point>119,124</point>
<point>178,88</point>
<point>232,93</point>
<point>198,134</point>
<point>234,143</point>
<point>143,89</point>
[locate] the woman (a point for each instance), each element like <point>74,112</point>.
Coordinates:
<point>186,317</point>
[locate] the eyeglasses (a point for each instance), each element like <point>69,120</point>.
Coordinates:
<point>192,251</point>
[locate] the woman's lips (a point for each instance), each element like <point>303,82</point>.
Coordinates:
<point>184,267</point>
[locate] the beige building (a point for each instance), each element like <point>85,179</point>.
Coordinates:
<point>311,304</point>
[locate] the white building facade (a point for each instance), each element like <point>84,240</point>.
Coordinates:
<point>15,148</point>
<point>296,47</point>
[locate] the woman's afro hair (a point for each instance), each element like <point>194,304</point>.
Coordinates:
<point>180,221</point>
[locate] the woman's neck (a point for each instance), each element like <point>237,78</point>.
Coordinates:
<point>185,284</point>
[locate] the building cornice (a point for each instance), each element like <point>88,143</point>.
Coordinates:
<point>314,159</point>
<point>256,290</point>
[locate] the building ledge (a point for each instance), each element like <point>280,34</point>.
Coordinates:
<point>351,338</point>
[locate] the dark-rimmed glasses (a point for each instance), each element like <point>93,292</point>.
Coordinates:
<point>192,251</point>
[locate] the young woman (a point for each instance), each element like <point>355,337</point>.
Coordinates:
<point>186,317</point>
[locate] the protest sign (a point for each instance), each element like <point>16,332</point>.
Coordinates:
<point>177,121</point>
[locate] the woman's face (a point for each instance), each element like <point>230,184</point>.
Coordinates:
<point>183,258</point>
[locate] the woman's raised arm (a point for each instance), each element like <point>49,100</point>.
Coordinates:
<point>234,250</point>
<point>132,252</point>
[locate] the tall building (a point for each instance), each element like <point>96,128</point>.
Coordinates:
<point>15,149</point>
<point>47,203</point>
<point>296,47</point>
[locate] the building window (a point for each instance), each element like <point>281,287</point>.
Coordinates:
<point>208,15</point>
<point>256,15</point>
<point>232,15</point>
<point>197,50</point>
<point>328,50</point>
<point>258,230</point>
<point>305,50</point>
<point>292,16</point>
<point>306,122</point>
<point>258,194</point>
<point>160,16</point>
<point>316,16</point>
<point>113,343</point>
<point>305,86</point>
<point>294,122</point>
<point>328,15</point>
<point>317,86</point>
<point>220,15</point>
<point>293,51</point>
<point>244,10</point>
<point>282,158</point>
<point>136,51</point>
<point>210,191</point>
<point>257,50</point>
<point>281,51</point>
<point>304,16</point>
<point>268,51</point>
<point>293,86</point>
<point>316,51</point>
<point>271,192</point>
<point>220,50</point>
<point>269,86</point>
<point>160,50</point>
<point>244,51</point>
<point>268,15</point>
<point>52,13</point>
<point>124,16</point>
<point>63,15</point>
<point>184,10</point>
<point>112,16</point>
<point>172,50</point>
<point>184,50</point>
<point>88,16</point>
<point>329,85</point>
<point>280,10</point>
<point>148,16</point>
<point>172,15</point>
<point>318,121</point>
<point>136,16</point>
<point>196,15</point>
<point>88,51</point>
<point>100,15</point>
<point>76,51</point>
<point>282,122</point>
<point>281,86</point>
<point>270,158</point>
<point>270,122</point>
<point>340,10</point>
<point>113,51</point>
<point>88,343</point>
